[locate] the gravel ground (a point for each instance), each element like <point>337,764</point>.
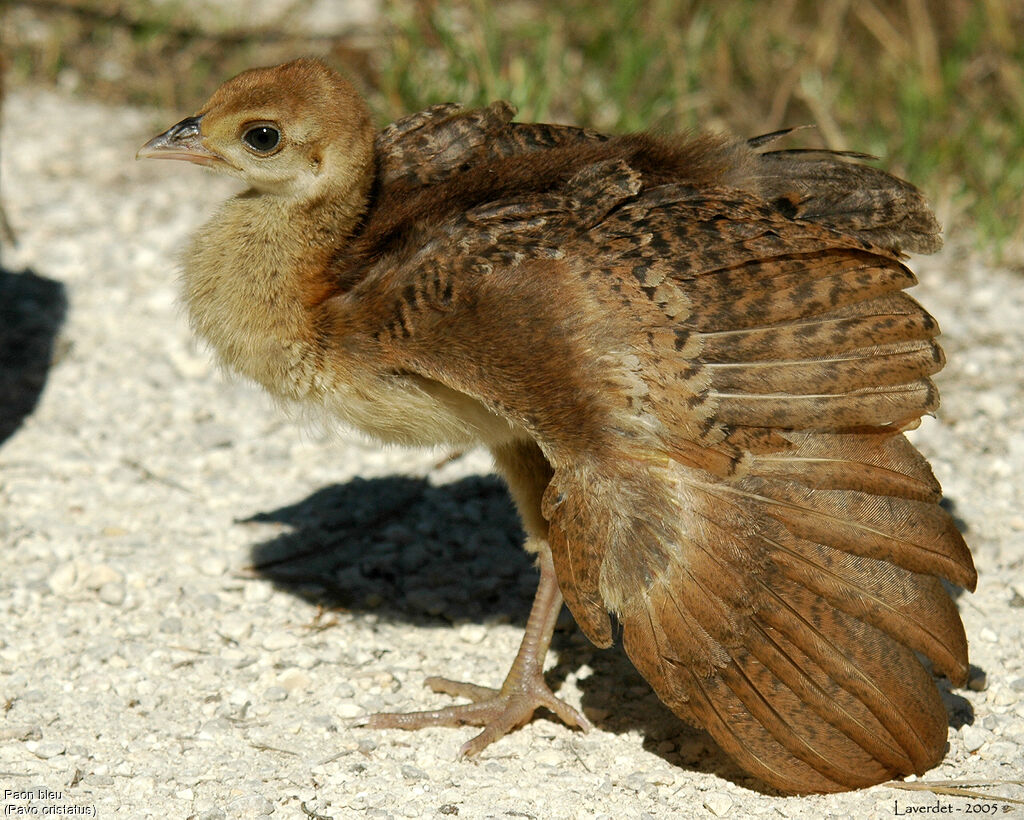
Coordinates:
<point>199,597</point>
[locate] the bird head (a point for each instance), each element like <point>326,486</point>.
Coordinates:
<point>296,130</point>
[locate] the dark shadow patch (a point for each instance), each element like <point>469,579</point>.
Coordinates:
<point>32,309</point>
<point>949,505</point>
<point>404,549</point>
<point>959,710</point>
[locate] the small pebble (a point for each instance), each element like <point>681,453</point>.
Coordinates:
<point>236,628</point>
<point>992,403</point>
<point>295,680</point>
<point>324,722</point>
<point>207,600</point>
<point>1003,697</point>
<point>718,804</point>
<point>1001,750</point>
<point>386,682</point>
<point>62,581</point>
<point>973,737</point>
<point>239,697</point>
<point>279,640</point>
<point>95,576</point>
<point>473,633</point>
<point>215,729</point>
<point>45,749</point>
<point>171,625</point>
<point>257,593</point>
<point>213,565</point>
<point>410,772</point>
<point>349,710</point>
<point>305,659</point>
<point>188,365</point>
<point>112,593</point>
<point>275,694</point>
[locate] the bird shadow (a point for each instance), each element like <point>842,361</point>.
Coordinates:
<point>958,708</point>
<point>432,556</point>
<point>404,549</point>
<point>32,310</point>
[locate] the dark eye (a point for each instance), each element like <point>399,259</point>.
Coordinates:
<point>262,138</point>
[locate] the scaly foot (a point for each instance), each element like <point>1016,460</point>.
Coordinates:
<point>500,711</point>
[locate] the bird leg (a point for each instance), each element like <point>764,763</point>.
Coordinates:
<point>500,711</point>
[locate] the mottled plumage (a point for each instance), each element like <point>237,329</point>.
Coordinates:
<point>692,359</point>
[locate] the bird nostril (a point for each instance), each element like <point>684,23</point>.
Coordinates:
<point>183,140</point>
<point>188,127</point>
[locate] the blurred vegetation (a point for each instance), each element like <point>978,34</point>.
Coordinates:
<point>933,87</point>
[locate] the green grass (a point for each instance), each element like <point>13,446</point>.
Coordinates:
<point>934,89</point>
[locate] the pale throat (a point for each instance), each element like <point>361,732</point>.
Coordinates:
<point>245,279</point>
<point>247,287</point>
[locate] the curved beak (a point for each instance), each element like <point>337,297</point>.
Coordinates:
<point>184,140</point>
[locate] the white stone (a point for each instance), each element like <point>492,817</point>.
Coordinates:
<point>45,749</point>
<point>718,804</point>
<point>213,565</point>
<point>235,627</point>
<point>94,576</point>
<point>112,593</point>
<point>473,633</point>
<point>295,680</point>
<point>549,757</point>
<point>279,640</point>
<point>258,593</point>
<point>973,737</point>
<point>63,579</point>
<point>349,710</point>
